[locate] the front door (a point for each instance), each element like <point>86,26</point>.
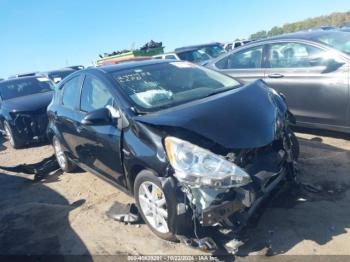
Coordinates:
<point>100,145</point>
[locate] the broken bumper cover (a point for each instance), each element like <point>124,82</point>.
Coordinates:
<point>246,201</point>
<point>30,127</point>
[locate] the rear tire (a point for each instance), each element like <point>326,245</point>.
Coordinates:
<point>65,164</point>
<point>14,141</point>
<point>149,194</point>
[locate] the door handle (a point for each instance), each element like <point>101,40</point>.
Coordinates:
<point>275,75</point>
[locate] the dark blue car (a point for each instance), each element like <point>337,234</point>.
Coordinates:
<point>23,103</point>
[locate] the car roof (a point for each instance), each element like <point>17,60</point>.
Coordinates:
<point>130,65</point>
<point>194,47</point>
<point>303,35</point>
<point>59,70</point>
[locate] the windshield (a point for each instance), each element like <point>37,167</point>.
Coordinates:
<point>214,50</point>
<point>24,87</point>
<point>195,56</point>
<point>164,85</point>
<point>338,40</point>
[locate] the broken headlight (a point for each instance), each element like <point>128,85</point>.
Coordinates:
<point>196,166</point>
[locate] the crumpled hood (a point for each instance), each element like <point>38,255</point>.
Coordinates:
<point>241,118</point>
<point>28,103</point>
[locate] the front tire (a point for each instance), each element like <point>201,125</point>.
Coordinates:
<point>152,204</point>
<point>65,164</point>
<point>14,141</point>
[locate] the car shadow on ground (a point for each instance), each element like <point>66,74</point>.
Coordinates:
<point>316,209</point>
<point>26,146</point>
<point>34,220</point>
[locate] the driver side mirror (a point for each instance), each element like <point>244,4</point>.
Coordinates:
<point>102,116</point>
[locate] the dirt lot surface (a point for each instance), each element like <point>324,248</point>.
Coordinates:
<point>65,213</point>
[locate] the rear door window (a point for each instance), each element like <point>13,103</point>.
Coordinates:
<point>296,55</point>
<point>71,91</point>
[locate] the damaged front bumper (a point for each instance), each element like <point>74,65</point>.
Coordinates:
<point>30,127</point>
<point>236,212</point>
<point>194,210</point>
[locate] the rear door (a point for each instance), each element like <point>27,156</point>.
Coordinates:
<point>99,146</point>
<point>245,65</point>
<point>313,80</point>
<point>66,116</point>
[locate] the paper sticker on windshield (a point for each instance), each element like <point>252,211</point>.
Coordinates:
<point>42,79</point>
<point>134,76</point>
<point>183,64</point>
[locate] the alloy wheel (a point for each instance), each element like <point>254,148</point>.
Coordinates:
<point>153,205</point>
<point>9,135</point>
<point>61,158</point>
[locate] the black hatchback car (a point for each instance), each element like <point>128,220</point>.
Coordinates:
<point>23,104</point>
<point>195,147</point>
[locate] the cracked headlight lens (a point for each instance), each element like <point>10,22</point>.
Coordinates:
<point>197,166</point>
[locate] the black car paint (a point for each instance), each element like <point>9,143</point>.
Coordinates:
<point>32,108</point>
<point>28,103</point>
<point>135,142</point>
<point>216,118</point>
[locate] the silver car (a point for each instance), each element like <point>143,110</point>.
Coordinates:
<point>311,69</point>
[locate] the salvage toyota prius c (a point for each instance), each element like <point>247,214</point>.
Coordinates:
<point>196,148</point>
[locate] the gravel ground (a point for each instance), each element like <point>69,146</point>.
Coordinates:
<point>66,213</point>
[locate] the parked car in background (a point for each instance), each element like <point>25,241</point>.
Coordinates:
<point>76,67</point>
<point>57,76</point>
<point>311,69</point>
<point>22,75</point>
<point>235,44</point>
<point>198,54</point>
<point>170,55</point>
<point>196,148</point>
<point>23,103</point>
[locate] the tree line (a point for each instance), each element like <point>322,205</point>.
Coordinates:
<point>334,19</point>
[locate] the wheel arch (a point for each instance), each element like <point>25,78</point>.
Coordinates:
<point>134,172</point>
